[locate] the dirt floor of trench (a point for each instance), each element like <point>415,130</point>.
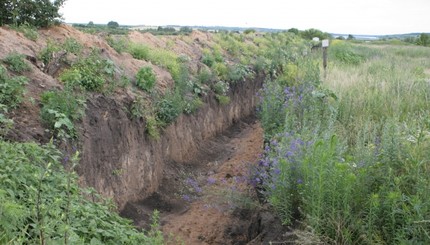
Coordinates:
<point>207,200</point>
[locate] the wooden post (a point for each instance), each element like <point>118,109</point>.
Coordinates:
<point>324,47</point>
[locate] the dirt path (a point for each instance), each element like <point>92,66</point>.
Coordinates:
<point>207,200</point>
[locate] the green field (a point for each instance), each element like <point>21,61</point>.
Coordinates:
<point>347,156</point>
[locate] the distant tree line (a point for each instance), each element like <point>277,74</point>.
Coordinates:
<point>311,33</point>
<point>38,13</point>
<point>423,40</point>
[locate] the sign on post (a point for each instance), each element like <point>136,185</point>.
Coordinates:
<point>325,44</point>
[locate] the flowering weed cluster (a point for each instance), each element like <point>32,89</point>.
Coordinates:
<point>353,178</point>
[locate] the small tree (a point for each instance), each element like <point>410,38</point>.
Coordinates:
<point>424,40</point>
<point>294,30</point>
<point>39,13</point>
<point>311,33</point>
<point>350,37</point>
<point>185,29</point>
<point>248,31</point>
<point>90,24</point>
<point>112,24</point>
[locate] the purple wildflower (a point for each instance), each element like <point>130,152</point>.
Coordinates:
<point>186,198</point>
<point>211,181</point>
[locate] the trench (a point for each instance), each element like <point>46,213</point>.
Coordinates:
<point>209,150</point>
<point>226,209</point>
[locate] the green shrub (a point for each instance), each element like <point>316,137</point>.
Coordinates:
<point>42,203</point>
<point>5,123</point>
<point>240,72</point>
<point>191,105</point>
<point>61,110</point>
<point>145,79</point>
<point>16,62</point>
<point>71,45</point>
<point>169,107</point>
<point>221,88</point>
<point>140,109</point>
<point>207,58</point>
<point>11,89</point>
<point>47,53</point>
<point>221,70</point>
<point>90,73</point>
<point>204,76</point>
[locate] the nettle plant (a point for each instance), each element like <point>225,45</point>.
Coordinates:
<point>11,88</point>
<point>221,89</point>
<point>61,110</point>
<point>145,79</point>
<point>41,202</point>
<point>91,73</point>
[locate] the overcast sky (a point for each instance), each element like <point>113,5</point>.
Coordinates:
<point>334,16</point>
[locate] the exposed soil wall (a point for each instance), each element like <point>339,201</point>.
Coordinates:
<point>120,160</point>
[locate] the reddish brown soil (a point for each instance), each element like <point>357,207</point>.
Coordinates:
<point>208,219</point>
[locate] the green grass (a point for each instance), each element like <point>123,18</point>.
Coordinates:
<point>161,57</point>
<point>350,157</point>
<point>29,31</point>
<point>16,62</point>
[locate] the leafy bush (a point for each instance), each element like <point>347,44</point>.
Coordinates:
<point>11,89</point>
<point>5,123</point>
<point>221,70</point>
<point>240,72</point>
<point>60,110</point>
<point>145,78</point>
<point>204,76</point>
<point>141,109</point>
<point>192,104</point>
<point>169,107</point>
<point>47,53</point>
<point>221,88</point>
<point>90,73</point>
<point>17,62</point>
<point>37,13</point>
<point>40,202</point>
<point>71,45</point>
<point>207,58</point>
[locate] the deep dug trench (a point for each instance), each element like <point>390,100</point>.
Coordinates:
<point>142,174</point>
